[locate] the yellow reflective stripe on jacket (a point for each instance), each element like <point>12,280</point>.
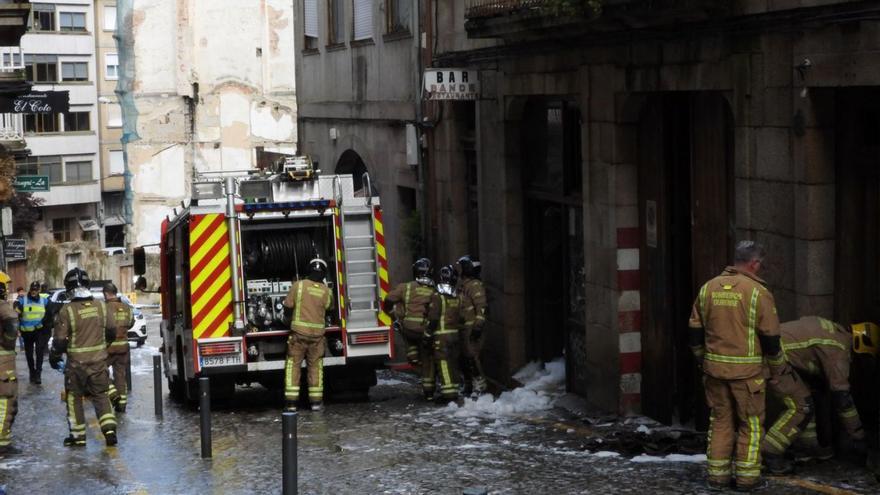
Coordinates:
<point>298,302</point>
<point>720,358</point>
<point>753,316</point>
<point>119,343</point>
<point>7,353</point>
<point>792,346</point>
<point>446,331</point>
<point>442,315</point>
<point>703,291</point>
<point>77,350</point>
<point>72,321</point>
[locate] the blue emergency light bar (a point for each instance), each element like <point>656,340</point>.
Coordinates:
<point>318,204</point>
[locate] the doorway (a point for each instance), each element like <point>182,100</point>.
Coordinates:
<point>687,231</point>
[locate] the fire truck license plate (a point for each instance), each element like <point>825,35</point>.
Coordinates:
<point>223,360</point>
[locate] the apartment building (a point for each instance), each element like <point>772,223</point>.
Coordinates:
<point>109,126</point>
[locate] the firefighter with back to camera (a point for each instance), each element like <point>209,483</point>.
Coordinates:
<point>473,297</point>
<point>409,302</point>
<point>733,329</point>
<point>8,379</point>
<point>83,328</point>
<point>445,319</point>
<point>118,354</point>
<point>305,307</point>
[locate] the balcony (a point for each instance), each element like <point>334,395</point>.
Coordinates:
<point>14,20</point>
<point>12,83</point>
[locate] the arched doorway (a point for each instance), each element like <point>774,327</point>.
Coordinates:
<point>351,163</point>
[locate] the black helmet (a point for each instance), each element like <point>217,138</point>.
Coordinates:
<point>35,286</point>
<point>448,275</point>
<point>318,266</point>
<point>422,268</point>
<point>76,278</point>
<point>469,265</point>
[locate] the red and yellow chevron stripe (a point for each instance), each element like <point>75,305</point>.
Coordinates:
<point>340,266</point>
<point>384,284</point>
<point>210,276</point>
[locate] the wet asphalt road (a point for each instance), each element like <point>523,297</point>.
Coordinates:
<point>395,444</point>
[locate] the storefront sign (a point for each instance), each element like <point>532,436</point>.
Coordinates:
<point>15,249</point>
<point>31,183</point>
<point>42,102</point>
<point>451,84</point>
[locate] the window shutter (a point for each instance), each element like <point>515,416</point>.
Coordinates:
<point>363,19</point>
<point>117,164</point>
<point>310,18</point>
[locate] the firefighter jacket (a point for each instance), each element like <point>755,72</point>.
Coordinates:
<point>123,318</point>
<point>473,298</point>
<point>8,337</point>
<point>816,346</point>
<point>734,308</point>
<point>83,325</point>
<point>309,301</point>
<point>411,302</point>
<point>445,312</point>
<point>33,311</point>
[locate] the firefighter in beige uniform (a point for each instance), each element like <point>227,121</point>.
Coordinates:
<point>445,319</point>
<point>82,329</point>
<point>8,380</point>
<point>473,297</point>
<point>306,306</point>
<point>733,327</point>
<point>118,354</point>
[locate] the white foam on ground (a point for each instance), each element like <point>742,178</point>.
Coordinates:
<point>697,458</point>
<point>605,453</point>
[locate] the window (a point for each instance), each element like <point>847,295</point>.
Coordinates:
<point>77,121</point>
<point>41,68</point>
<point>72,21</point>
<point>37,123</point>
<point>117,162</point>
<point>11,60</point>
<point>77,172</point>
<point>114,115</point>
<point>111,66</point>
<point>337,21</point>
<point>62,231</point>
<point>110,18</point>
<point>42,165</point>
<point>363,19</point>
<point>310,23</point>
<point>399,14</point>
<point>74,71</point>
<point>44,17</point>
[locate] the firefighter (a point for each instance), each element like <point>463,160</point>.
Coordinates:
<point>8,380</point>
<point>117,351</point>
<point>82,329</point>
<point>817,349</point>
<point>409,304</point>
<point>473,297</point>
<point>305,307</point>
<point>733,327</point>
<point>445,319</point>
<point>35,334</point>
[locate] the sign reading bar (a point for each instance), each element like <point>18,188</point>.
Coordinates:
<point>42,102</point>
<point>15,249</point>
<point>31,183</point>
<point>451,84</point>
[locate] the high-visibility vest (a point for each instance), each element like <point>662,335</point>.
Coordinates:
<point>32,313</point>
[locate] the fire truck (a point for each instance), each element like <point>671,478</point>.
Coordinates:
<point>228,259</point>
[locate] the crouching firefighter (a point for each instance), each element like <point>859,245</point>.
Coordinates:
<point>473,297</point>
<point>305,307</point>
<point>8,380</point>
<point>409,304</point>
<point>82,329</point>
<point>118,355</point>
<point>445,320</point>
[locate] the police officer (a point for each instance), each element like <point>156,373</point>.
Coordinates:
<point>118,352</point>
<point>8,380</point>
<point>409,303</point>
<point>305,307</point>
<point>35,334</point>
<point>445,319</point>
<point>473,297</point>
<point>733,327</point>
<point>82,329</point>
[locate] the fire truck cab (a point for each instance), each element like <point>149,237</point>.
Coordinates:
<point>229,258</point>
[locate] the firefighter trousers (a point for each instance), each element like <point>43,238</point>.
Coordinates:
<point>118,361</point>
<point>796,415</point>
<point>735,428</point>
<point>88,379</point>
<point>443,362</point>
<point>310,348</point>
<point>8,402</point>
<point>419,353</point>
<point>471,367</point>
<point>36,343</point>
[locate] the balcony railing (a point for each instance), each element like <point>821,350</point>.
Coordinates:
<point>490,8</point>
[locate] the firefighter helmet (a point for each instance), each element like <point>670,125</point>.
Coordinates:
<point>318,265</point>
<point>469,266</point>
<point>448,275</point>
<point>4,281</point>
<point>866,338</point>
<point>422,268</point>
<point>76,278</point>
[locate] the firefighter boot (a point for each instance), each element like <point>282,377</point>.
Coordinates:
<point>317,406</point>
<point>7,450</point>
<point>73,441</point>
<point>778,464</point>
<point>290,406</point>
<point>110,438</point>
<point>816,453</point>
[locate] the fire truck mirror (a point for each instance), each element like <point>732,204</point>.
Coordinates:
<point>140,261</point>
<point>140,284</point>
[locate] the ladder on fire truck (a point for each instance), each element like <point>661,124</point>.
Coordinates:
<point>359,251</point>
